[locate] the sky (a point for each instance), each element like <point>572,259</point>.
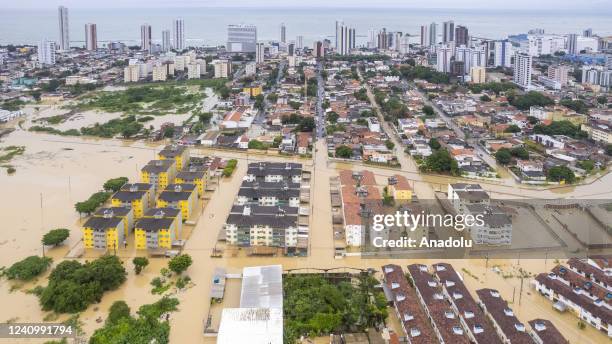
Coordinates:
<point>583,5</point>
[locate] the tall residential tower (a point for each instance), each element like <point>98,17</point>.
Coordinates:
<point>64,31</point>
<point>178,34</point>
<point>91,36</point>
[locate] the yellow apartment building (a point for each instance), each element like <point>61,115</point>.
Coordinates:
<point>137,200</point>
<point>179,196</point>
<point>126,213</point>
<point>178,153</point>
<point>103,232</point>
<point>153,233</point>
<point>159,173</point>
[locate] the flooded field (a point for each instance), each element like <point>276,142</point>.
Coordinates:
<point>59,171</point>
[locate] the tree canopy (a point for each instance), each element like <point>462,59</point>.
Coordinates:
<point>180,263</point>
<point>28,268</point>
<point>115,184</point>
<point>55,236</point>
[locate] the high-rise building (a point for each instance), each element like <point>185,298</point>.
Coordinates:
<point>131,73</point>
<point>345,39</point>
<point>166,43</point>
<point>372,39</point>
<point>382,41</point>
<point>319,49</point>
<point>609,62</point>
<point>145,37</point>
<point>433,34</point>
<point>283,33</point>
<point>46,52</point>
<point>91,37</point>
<point>478,75</point>
<point>463,54</point>
<point>559,74</point>
<point>64,29</point>
<point>290,49</point>
<point>223,68</point>
<point>503,54</point>
<point>424,36</point>
<point>479,57</point>
<point>448,33</point>
<point>444,55</point>
<point>572,44</point>
<point>178,34</point>
<point>522,70</point>
<point>404,44</point>
<point>299,42</point>
<point>588,32</point>
<point>193,70</point>
<point>461,36</point>
<point>260,53</point>
<point>241,38</point>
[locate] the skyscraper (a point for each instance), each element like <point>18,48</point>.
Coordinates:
<point>178,34</point>
<point>433,34</point>
<point>448,33</point>
<point>588,32</point>
<point>259,53</point>
<point>572,44</point>
<point>444,55</point>
<point>463,54</point>
<point>319,49</point>
<point>91,37</point>
<point>145,37</point>
<point>424,36</point>
<point>345,37</point>
<point>166,43</point>
<point>522,70</point>
<point>503,54</point>
<point>241,38</point>
<point>64,36</point>
<point>382,40</point>
<point>46,52</point>
<point>283,33</point>
<point>299,42</point>
<point>461,36</point>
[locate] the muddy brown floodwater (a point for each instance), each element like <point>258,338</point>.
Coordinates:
<point>66,170</point>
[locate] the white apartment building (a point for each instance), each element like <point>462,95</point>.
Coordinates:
<point>345,38</point>
<point>444,56</point>
<point>241,38</point>
<point>223,68</point>
<point>145,37</point>
<point>166,43</point>
<point>193,71</point>
<point>260,53</point>
<point>250,69</point>
<point>478,75</point>
<point>46,52</point>
<point>522,70</point>
<point>503,54</point>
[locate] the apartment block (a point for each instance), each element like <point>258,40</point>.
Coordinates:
<point>179,196</point>
<point>105,232</point>
<point>508,327</point>
<point>159,173</point>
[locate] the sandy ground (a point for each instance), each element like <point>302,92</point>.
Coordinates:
<point>65,170</point>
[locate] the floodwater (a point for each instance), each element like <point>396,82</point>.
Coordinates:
<point>59,171</point>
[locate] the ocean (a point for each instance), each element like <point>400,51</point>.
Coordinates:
<point>207,26</point>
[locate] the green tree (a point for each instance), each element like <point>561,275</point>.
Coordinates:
<point>434,144</point>
<point>561,173</point>
<point>441,161</point>
<point>520,152</point>
<point>608,149</point>
<point>332,117</point>
<point>55,236</point>
<point>428,110</point>
<point>255,144</point>
<point>115,184</point>
<point>587,165</point>
<point>272,98</point>
<point>28,268</point>
<point>503,156</point>
<point>139,264</point>
<point>343,151</point>
<point>117,311</point>
<point>485,98</point>
<point>307,124</point>
<point>532,98</point>
<point>180,263</point>
<point>512,128</point>
<point>259,102</point>
<point>602,99</point>
<point>389,144</point>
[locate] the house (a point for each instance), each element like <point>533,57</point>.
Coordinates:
<point>445,322</point>
<point>154,233</point>
<point>126,213</point>
<point>531,170</point>
<point>274,172</point>
<point>160,173</point>
<point>508,327</point>
<point>209,138</point>
<point>414,320</point>
<point>495,227</point>
<point>478,328</point>
<point>179,196</point>
<point>269,193</point>
<point>178,153</point>
<point>303,143</point>
<point>400,190</point>
<point>106,232</point>
<point>462,194</point>
<point>544,332</point>
<point>261,230</point>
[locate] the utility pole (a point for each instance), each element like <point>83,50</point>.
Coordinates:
<point>42,227</point>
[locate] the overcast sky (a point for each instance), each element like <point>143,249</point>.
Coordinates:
<point>587,5</point>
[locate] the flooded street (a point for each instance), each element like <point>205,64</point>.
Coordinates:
<point>63,170</point>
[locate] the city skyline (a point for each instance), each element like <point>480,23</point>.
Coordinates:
<point>433,4</point>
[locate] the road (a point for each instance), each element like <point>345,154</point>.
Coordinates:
<point>320,118</point>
